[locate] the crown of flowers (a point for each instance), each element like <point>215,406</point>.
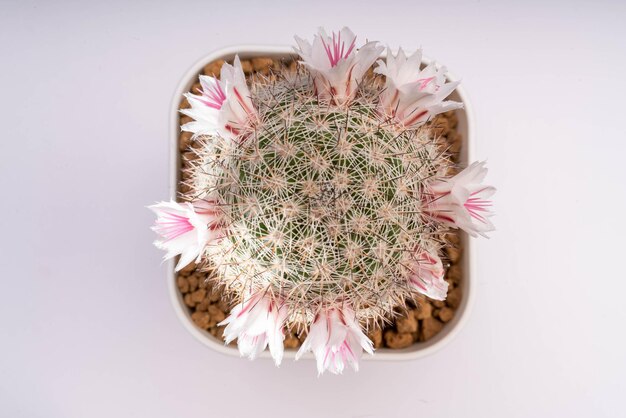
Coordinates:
<point>227,116</point>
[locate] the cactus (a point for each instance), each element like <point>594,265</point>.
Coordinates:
<point>324,195</point>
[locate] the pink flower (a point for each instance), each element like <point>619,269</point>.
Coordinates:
<point>224,106</point>
<point>186,229</point>
<point>205,109</point>
<point>462,201</point>
<point>256,323</point>
<point>335,63</point>
<point>335,338</point>
<point>412,95</point>
<point>427,275</point>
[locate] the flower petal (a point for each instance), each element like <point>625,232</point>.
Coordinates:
<point>256,323</point>
<point>462,201</point>
<point>412,95</point>
<point>335,338</point>
<point>335,63</point>
<point>183,230</point>
<point>224,106</point>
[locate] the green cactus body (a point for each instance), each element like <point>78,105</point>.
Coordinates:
<point>322,202</point>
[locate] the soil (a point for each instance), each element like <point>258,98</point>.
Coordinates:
<point>425,318</point>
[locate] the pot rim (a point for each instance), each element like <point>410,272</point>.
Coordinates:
<point>416,350</point>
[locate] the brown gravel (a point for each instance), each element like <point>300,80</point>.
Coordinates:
<point>424,310</point>
<point>407,324</point>
<point>376,336</point>
<point>291,341</point>
<point>416,325</point>
<point>445,314</point>
<point>395,339</point>
<point>430,327</point>
<point>213,68</point>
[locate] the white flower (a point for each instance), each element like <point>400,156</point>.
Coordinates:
<point>205,109</point>
<point>238,109</point>
<point>186,229</point>
<point>336,338</point>
<point>427,274</point>
<point>462,201</point>
<point>255,323</point>
<point>224,106</point>
<point>335,64</point>
<point>411,95</point>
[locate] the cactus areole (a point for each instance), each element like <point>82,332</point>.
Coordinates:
<point>320,198</point>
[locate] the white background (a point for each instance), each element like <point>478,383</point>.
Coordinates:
<point>86,326</point>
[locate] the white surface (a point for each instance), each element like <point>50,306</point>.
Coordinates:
<point>86,326</point>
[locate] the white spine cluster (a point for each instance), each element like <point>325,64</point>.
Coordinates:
<point>324,203</point>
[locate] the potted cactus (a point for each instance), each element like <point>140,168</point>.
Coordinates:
<point>320,198</point>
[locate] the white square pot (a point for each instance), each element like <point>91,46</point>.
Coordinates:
<point>417,350</point>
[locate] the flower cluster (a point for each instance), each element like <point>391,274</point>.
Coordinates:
<point>256,323</point>
<point>223,106</point>
<point>186,229</point>
<point>412,94</point>
<point>462,201</point>
<point>335,63</point>
<point>265,221</point>
<point>336,338</point>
